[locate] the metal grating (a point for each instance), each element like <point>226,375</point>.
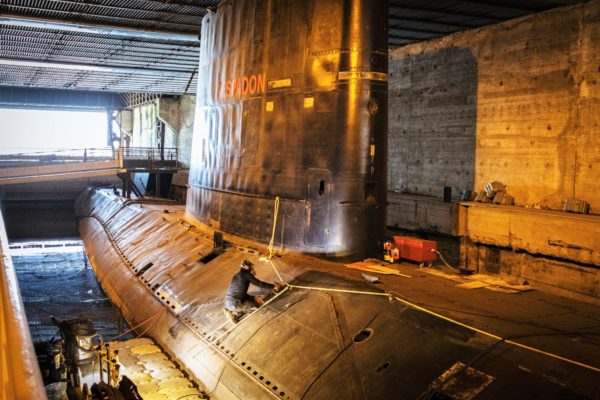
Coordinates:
<point>151,46</point>
<point>53,45</point>
<point>87,80</point>
<point>174,15</point>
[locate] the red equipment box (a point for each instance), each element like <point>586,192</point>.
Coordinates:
<point>418,250</point>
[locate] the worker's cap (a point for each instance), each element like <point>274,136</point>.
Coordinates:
<point>246,265</point>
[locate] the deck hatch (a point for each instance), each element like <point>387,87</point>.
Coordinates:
<point>460,382</point>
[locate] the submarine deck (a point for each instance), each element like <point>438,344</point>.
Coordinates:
<point>549,340</point>
<point>552,323</point>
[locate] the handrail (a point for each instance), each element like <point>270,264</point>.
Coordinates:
<point>55,156</point>
<point>20,376</point>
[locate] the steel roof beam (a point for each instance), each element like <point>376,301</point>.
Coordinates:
<point>110,30</point>
<point>435,26</point>
<point>471,8</point>
<point>420,30</point>
<point>166,13</point>
<point>203,4</point>
<point>75,49</point>
<point>491,7</point>
<point>400,42</point>
<point>59,98</point>
<point>95,68</point>
<point>412,34</point>
<point>37,36</point>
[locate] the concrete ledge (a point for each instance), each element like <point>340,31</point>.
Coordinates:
<point>573,237</point>
<point>561,278</point>
<point>421,213</point>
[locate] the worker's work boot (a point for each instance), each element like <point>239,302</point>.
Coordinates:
<point>231,316</point>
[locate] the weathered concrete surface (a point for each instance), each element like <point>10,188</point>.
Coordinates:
<point>187,105</point>
<point>551,250</point>
<point>423,214</point>
<point>549,233</point>
<point>178,116</point>
<point>144,125</point>
<point>517,102</point>
<point>548,275</point>
<point>126,120</point>
<point>168,112</point>
<point>432,115</point>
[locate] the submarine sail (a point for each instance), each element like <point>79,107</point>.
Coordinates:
<point>293,103</point>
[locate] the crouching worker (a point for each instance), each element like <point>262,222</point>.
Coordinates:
<point>237,300</point>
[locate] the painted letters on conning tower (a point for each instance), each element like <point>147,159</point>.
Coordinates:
<point>244,86</point>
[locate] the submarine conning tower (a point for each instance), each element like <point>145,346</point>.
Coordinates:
<point>292,103</point>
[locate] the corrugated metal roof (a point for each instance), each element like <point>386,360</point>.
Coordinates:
<point>148,45</point>
<point>172,15</point>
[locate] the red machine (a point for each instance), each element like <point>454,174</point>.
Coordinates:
<point>414,249</point>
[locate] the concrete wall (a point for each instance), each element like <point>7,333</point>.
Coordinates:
<point>144,125</point>
<point>178,116</point>
<point>187,107</point>
<point>517,102</point>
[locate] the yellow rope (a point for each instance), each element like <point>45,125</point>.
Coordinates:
<point>278,274</point>
<point>324,289</point>
<point>275,215</point>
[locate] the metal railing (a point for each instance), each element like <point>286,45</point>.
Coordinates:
<point>65,156</point>
<point>54,156</point>
<point>20,376</point>
<point>85,163</point>
<point>149,153</point>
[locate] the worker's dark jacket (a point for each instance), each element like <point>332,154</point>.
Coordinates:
<point>238,288</point>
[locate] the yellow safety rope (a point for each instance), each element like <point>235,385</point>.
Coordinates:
<point>275,215</point>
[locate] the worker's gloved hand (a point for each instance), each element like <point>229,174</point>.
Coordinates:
<point>277,288</point>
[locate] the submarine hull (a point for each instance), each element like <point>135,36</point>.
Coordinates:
<point>290,147</point>
<point>307,343</point>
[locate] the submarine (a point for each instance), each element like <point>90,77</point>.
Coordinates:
<point>288,171</point>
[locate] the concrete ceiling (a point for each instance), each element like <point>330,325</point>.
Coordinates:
<point>151,46</point>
